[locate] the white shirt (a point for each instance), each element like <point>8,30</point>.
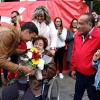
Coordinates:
<point>61,38</point>
<point>48,31</point>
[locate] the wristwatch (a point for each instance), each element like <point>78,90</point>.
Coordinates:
<point>52,48</point>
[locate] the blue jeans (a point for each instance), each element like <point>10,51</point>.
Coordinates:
<point>84,82</point>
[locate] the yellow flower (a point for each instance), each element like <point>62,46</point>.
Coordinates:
<point>34,49</point>
<point>35,62</point>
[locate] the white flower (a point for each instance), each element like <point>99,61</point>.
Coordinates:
<point>41,64</point>
<point>29,54</point>
<point>25,59</point>
<point>22,58</point>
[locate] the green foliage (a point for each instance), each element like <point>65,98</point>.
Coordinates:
<point>2,0</point>
<point>21,75</point>
<point>96,5</point>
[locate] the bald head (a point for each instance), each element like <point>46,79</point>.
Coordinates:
<point>90,18</point>
<point>85,23</point>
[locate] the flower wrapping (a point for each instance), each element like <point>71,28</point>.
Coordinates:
<point>33,58</point>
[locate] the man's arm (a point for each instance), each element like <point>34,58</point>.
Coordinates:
<point>96,59</point>
<point>73,63</point>
<point>19,52</point>
<point>6,40</point>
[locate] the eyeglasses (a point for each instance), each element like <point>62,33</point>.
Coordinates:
<point>57,21</point>
<point>74,22</point>
<point>13,17</point>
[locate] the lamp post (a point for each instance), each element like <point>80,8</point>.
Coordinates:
<point>91,5</point>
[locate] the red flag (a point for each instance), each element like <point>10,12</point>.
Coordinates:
<point>65,9</point>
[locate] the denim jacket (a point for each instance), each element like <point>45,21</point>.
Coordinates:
<point>97,77</point>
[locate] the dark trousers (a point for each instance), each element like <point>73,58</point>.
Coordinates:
<point>98,94</point>
<point>10,92</point>
<point>69,65</point>
<point>5,75</point>
<point>59,56</point>
<point>0,80</point>
<point>84,82</point>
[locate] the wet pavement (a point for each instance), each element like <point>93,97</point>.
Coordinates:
<point>66,88</point>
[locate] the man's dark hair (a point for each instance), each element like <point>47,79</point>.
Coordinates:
<point>90,18</point>
<point>15,12</point>
<point>93,11</point>
<point>30,26</point>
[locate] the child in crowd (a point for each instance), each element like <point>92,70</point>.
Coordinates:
<point>96,64</point>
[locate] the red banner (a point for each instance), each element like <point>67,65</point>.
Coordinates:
<point>66,9</point>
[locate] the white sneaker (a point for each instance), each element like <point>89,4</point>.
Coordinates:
<point>61,76</point>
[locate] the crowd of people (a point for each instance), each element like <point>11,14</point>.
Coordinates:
<point>82,40</point>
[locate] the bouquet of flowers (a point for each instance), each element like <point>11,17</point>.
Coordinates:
<point>32,59</point>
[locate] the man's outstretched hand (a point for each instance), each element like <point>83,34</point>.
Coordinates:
<point>27,70</point>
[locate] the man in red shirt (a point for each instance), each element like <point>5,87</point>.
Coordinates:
<point>86,43</point>
<point>16,21</point>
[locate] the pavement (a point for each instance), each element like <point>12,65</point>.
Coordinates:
<point>66,86</point>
